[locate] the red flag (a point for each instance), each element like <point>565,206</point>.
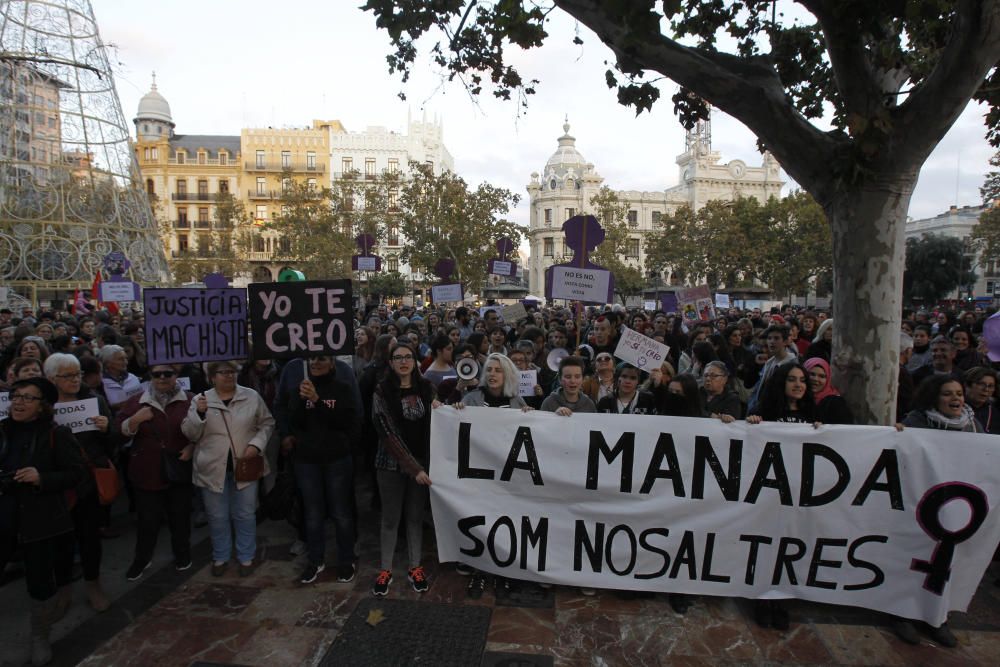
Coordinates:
<point>95,295</point>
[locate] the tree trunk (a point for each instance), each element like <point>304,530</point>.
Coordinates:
<point>868,224</point>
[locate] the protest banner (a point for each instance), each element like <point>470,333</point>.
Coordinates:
<point>649,305</point>
<point>640,350</point>
<point>119,291</point>
<point>185,325</point>
<point>851,515</point>
<point>526,382</point>
<point>78,416</point>
<point>447,293</point>
<point>585,285</point>
<point>514,313</point>
<point>304,318</point>
<point>695,303</point>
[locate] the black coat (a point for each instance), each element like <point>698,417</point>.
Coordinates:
<point>53,451</point>
<point>643,404</point>
<point>328,430</point>
<point>726,403</point>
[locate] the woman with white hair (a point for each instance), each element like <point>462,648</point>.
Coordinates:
<point>822,345</point>
<point>498,388</point>
<point>119,384</point>
<point>63,370</point>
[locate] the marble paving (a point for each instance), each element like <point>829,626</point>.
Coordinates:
<point>269,619</point>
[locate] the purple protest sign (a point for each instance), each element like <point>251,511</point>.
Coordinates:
<point>669,301</point>
<point>186,325</point>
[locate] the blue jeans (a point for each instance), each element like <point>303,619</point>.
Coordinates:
<point>328,490</point>
<point>229,511</point>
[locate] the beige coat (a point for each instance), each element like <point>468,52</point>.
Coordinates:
<point>250,423</point>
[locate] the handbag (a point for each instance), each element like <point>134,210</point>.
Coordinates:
<point>109,483</point>
<point>173,469</point>
<point>247,468</point>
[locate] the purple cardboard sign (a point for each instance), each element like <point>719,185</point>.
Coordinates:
<point>669,301</point>
<point>186,325</point>
<point>583,234</point>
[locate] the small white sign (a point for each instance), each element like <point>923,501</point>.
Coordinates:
<point>367,264</point>
<point>77,415</point>
<point>513,314</point>
<point>722,301</point>
<point>112,291</point>
<point>641,351</point>
<point>526,383</point>
<point>4,405</point>
<point>501,268</point>
<point>575,284</point>
<point>649,305</point>
<point>447,293</point>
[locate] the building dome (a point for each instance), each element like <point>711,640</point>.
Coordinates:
<point>566,159</point>
<point>154,106</point>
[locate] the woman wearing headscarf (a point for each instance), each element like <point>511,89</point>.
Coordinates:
<point>40,461</point>
<point>831,408</point>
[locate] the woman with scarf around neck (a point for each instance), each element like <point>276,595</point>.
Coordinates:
<point>119,384</point>
<point>831,408</point>
<point>939,404</point>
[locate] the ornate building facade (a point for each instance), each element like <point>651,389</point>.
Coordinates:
<point>568,181</point>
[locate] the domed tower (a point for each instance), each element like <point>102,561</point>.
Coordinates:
<point>69,184</point>
<point>563,190</point>
<point>153,120</point>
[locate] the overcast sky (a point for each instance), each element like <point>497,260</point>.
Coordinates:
<point>227,64</point>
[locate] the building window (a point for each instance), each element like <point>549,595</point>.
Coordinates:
<point>223,158</point>
<point>633,248</point>
<point>181,157</point>
<point>261,185</point>
<point>392,264</point>
<point>285,245</point>
<point>286,159</point>
<point>202,157</point>
<point>393,165</point>
<point>393,236</point>
<point>224,186</point>
<point>204,245</point>
<point>657,218</point>
<point>182,218</point>
<point>369,167</point>
<point>150,190</point>
<point>310,160</point>
<point>570,212</point>
<point>286,185</point>
<point>285,208</point>
<point>430,164</point>
<point>548,217</point>
<point>182,243</point>
<point>145,128</point>
<point>261,212</point>
<point>182,187</point>
<point>633,218</point>
<point>260,159</point>
<point>258,244</point>
<point>393,200</point>
<point>548,247</point>
<point>347,165</point>
<point>202,187</point>
<point>154,154</point>
<point>203,216</point>
<point>311,185</point>
<point>145,154</point>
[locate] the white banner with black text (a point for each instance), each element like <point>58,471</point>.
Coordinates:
<point>901,522</point>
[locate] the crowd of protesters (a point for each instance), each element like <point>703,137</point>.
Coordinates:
<point>178,434</point>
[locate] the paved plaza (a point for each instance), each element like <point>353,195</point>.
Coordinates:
<point>192,618</point>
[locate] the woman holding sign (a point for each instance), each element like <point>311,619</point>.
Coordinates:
<point>97,448</point>
<point>401,411</point>
<point>227,424</point>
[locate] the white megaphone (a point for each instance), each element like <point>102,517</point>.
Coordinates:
<point>556,356</point>
<point>467,368</point>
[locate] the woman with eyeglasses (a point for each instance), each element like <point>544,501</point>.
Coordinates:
<point>226,423</point>
<point>159,467</point>
<point>119,384</point>
<point>98,449</point>
<point>39,462</point>
<point>323,416</point>
<point>721,402</point>
<point>602,382</point>
<point>980,389</point>
<point>401,411</point>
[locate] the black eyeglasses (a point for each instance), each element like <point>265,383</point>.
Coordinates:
<point>159,375</point>
<point>402,357</point>
<point>25,398</point>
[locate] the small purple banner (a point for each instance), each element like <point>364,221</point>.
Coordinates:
<point>669,302</point>
<point>185,325</point>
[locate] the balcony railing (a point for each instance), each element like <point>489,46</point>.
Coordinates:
<point>264,194</point>
<point>196,196</point>
<point>193,160</point>
<point>277,165</point>
<point>260,256</point>
<point>182,224</point>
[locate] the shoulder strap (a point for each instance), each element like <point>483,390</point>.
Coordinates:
<point>232,445</point>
